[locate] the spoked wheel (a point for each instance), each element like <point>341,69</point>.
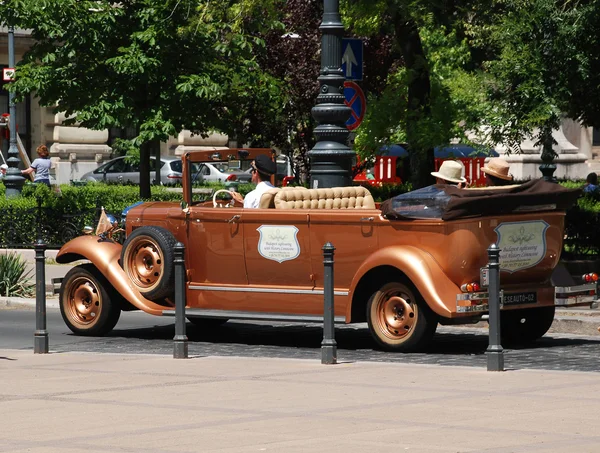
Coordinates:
<point>88,304</point>
<point>524,326</point>
<point>147,259</point>
<point>399,319</point>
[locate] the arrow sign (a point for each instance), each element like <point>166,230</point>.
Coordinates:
<point>349,59</point>
<point>352,58</point>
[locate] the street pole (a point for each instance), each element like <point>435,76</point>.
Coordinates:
<point>494,352</point>
<point>331,159</point>
<point>328,345</point>
<point>13,180</point>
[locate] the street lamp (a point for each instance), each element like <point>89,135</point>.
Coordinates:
<point>331,159</point>
<point>548,167</point>
<point>13,180</point>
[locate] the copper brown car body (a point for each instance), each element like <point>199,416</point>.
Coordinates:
<point>393,274</point>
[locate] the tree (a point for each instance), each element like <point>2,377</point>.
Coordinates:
<point>498,68</point>
<point>155,65</point>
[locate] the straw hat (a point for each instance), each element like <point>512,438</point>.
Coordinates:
<point>450,170</point>
<point>497,167</point>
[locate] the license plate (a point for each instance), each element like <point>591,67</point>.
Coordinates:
<point>520,298</point>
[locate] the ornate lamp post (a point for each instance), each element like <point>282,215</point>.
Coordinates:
<point>13,180</point>
<point>331,159</point>
<point>548,167</point>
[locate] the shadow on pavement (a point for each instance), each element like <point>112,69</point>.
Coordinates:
<point>447,341</point>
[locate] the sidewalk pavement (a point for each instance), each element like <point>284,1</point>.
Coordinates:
<point>74,402</point>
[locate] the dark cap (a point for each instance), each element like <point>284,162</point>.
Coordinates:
<point>265,165</point>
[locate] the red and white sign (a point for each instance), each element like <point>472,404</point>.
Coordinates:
<point>8,74</point>
<point>355,99</point>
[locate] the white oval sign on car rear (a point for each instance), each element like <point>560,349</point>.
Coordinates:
<point>522,244</point>
<point>278,243</point>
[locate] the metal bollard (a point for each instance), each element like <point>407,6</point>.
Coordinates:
<point>180,346</point>
<point>328,345</point>
<point>40,336</point>
<point>494,352</point>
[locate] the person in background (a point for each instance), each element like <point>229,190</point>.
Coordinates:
<point>450,173</point>
<point>591,183</point>
<point>41,166</point>
<point>496,172</point>
<point>262,169</point>
<point>3,169</point>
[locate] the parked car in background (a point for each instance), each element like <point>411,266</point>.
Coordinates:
<point>121,170</point>
<point>220,172</point>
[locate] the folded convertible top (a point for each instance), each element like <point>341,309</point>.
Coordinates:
<point>449,202</point>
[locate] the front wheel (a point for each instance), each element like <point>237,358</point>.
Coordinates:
<point>88,303</point>
<point>399,319</point>
<point>524,326</point>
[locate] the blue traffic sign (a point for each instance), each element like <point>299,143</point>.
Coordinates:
<point>352,58</point>
<point>355,99</point>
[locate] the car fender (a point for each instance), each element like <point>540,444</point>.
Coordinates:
<point>421,269</point>
<point>105,255</point>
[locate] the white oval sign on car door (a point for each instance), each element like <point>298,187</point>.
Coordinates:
<point>278,243</point>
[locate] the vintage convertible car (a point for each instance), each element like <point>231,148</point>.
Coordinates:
<point>401,272</point>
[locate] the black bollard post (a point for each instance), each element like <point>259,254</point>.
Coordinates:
<point>494,352</point>
<point>180,347</point>
<point>40,337</point>
<point>328,345</point>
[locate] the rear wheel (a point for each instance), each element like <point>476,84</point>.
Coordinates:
<point>523,326</point>
<point>147,259</point>
<point>89,305</point>
<point>399,319</point>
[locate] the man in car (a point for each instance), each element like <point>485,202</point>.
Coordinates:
<point>262,169</point>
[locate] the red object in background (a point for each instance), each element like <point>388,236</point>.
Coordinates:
<point>390,169</point>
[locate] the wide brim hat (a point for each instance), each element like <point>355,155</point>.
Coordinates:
<point>451,171</point>
<point>265,165</point>
<point>497,167</point>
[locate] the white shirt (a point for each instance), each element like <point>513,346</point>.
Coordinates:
<point>252,199</point>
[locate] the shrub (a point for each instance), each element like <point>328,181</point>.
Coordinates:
<point>15,279</point>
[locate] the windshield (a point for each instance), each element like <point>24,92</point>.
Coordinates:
<point>224,167</point>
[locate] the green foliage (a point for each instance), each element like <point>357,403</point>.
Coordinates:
<point>156,66</point>
<point>581,225</point>
<point>15,278</point>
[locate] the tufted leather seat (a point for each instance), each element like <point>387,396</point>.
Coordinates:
<point>354,197</point>
<point>267,199</point>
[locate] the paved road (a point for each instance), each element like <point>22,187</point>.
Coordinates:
<point>139,333</point>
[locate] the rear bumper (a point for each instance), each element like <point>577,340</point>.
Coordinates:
<point>564,296</point>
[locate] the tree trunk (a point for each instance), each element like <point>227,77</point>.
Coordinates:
<point>421,159</point>
<point>145,170</point>
<point>156,146</point>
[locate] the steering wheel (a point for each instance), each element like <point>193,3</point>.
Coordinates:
<point>222,205</point>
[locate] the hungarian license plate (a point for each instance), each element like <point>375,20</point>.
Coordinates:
<point>520,298</point>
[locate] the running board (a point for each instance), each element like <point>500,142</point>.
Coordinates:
<point>251,315</point>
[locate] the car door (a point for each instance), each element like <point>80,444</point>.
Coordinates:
<point>115,173</point>
<point>353,233</point>
<point>216,268</point>
<point>278,261</point>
